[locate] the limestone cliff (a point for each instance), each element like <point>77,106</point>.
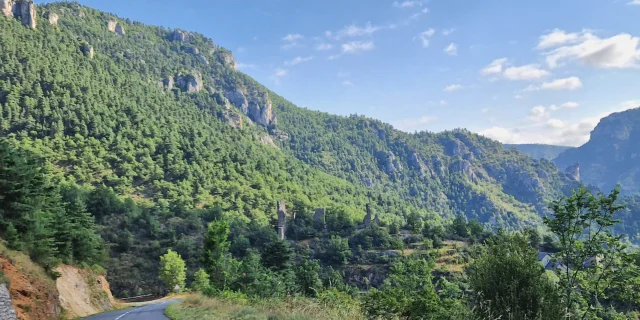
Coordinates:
<point>25,10</point>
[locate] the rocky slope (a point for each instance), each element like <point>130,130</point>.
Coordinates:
<point>611,155</point>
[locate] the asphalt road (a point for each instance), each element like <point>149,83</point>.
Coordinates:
<point>151,311</point>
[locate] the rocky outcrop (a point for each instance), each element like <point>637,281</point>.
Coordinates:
<point>7,312</point>
<point>260,109</point>
<point>192,50</point>
<point>282,219</point>
<point>237,98</point>
<point>83,293</point>
<point>87,50</point>
<point>454,147</point>
<point>268,141</point>
<point>116,27</point>
<point>391,164</point>
<point>180,36</point>
<point>232,118</point>
<point>417,162</point>
<point>465,167</point>
<point>227,60</point>
<point>190,82</point>
<point>203,60</point>
<point>53,18</point>
<point>573,171</point>
<point>25,10</point>
<point>169,83</point>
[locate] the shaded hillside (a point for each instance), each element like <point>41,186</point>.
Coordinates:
<point>610,157</point>
<point>539,151</point>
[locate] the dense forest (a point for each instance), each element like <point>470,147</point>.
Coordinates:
<point>139,139</point>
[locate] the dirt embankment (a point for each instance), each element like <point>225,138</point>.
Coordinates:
<point>33,293</point>
<point>82,292</point>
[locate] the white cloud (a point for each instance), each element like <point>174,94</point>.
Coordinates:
<point>494,67</point>
<point>443,102</point>
<point>527,72</point>
<point>413,124</point>
<point>570,83</point>
<point>245,66</point>
<point>558,37</point>
<point>356,31</point>
<point>553,107</point>
<point>424,36</point>
<point>357,46</point>
<point>634,3</point>
<point>342,74</point>
<point>538,113</point>
<point>554,131</point>
<point>407,4</point>
<point>570,105</point>
<point>447,32</point>
<point>298,60</point>
<point>292,37</point>
<point>347,83</point>
<point>453,87</point>
<point>280,72</point>
<point>517,96</point>
<point>334,56</point>
<point>620,51</point>
<point>451,49</point>
<point>485,110</point>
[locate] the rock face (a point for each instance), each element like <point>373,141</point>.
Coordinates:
<point>232,118</point>
<point>53,18</point>
<point>180,36</point>
<point>238,99</point>
<point>282,219</point>
<point>168,83</point>
<point>260,109</point>
<point>392,164</point>
<point>87,50</point>
<point>190,82</point>
<point>25,10</point>
<point>226,58</point>
<point>610,157</point>
<point>7,312</point>
<point>115,27</point>
<point>417,162</point>
<point>574,171</point>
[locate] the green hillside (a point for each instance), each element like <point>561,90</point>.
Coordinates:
<point>161,134</point>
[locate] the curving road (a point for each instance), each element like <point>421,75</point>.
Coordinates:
<point>150,311</point>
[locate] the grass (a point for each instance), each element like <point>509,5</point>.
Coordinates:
<point>449,258</point>
<point>203,308</point>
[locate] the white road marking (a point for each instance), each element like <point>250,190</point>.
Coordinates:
<point>132,310</point>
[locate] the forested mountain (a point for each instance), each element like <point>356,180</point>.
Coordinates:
<point>611,155</point>
<point>539,151</point>
<point>160,134</point>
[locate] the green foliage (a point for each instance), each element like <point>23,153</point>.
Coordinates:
<point>277,255</point>
<point>334,251</point>
<point>215,248</point>
<point>200,281</point>
<point>509,283</point>
<point>307,277</point>
<point>598,264</point>
<point>173,271</point>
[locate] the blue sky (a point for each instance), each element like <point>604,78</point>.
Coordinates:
<point>518,71</point>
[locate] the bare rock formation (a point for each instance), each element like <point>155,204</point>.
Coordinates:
<point>87,50</point>
<point>25,10</point>
<point>574,171</point>
<point>53,18</point>
<point>190,82</point>
<point>7,312</point>
<point>282,219</point>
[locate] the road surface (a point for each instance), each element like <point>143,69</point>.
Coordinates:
<point>150,311</point>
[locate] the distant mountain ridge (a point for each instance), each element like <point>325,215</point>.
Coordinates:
<point>612,154</point>
<point>539,151</point>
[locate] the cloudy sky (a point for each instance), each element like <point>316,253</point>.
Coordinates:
<point>538,71</point>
